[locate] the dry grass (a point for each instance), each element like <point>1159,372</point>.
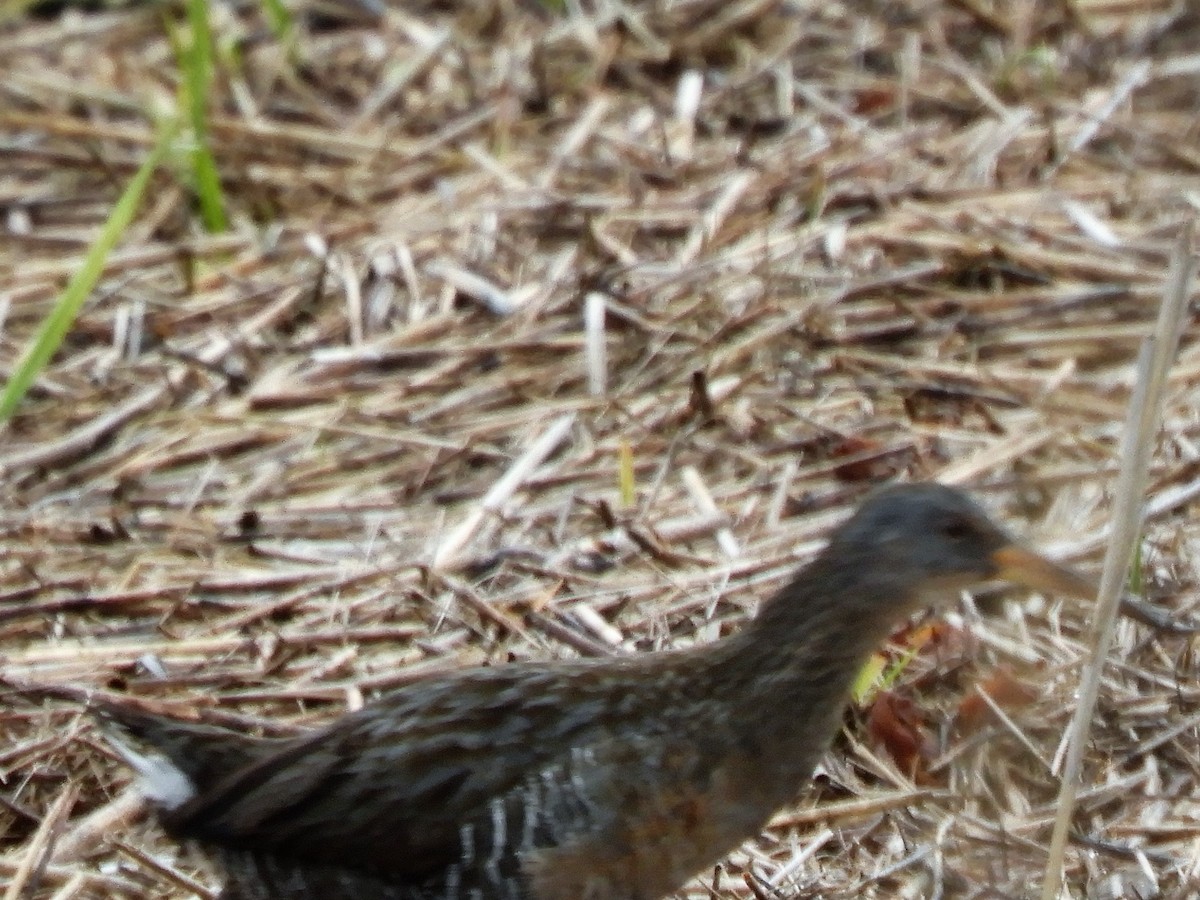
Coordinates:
<point>371,433</point>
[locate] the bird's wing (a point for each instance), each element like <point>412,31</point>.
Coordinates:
<point>388,789</point>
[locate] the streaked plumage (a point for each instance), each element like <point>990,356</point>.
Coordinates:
<point>615,779</point>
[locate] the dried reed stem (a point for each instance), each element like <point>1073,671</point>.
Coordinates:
<point>1145,412</point>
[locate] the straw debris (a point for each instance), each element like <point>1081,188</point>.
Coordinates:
<point>491,264</point>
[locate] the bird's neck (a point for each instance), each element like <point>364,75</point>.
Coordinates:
<point>788,674</point>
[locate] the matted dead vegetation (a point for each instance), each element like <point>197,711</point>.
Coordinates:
<point>368,434</point>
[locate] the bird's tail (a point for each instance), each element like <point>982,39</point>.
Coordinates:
<point>175,759</point>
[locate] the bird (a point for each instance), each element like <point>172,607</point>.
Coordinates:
<point>598,779</point>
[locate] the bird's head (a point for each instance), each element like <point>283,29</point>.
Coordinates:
<point>930,537</point>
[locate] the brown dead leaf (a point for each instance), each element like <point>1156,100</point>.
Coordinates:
<point>1005,689</point>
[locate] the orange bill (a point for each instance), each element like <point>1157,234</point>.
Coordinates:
<point>1022,566</point>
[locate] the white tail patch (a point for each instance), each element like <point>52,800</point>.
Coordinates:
<point>162,782</point>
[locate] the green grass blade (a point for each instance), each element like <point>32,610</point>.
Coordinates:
<point>67,307</point>
<point>626,478</point>
<point>279,18</point>
<point>196,62</point>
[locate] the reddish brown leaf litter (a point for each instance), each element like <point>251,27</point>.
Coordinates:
<point>372,432</point>
<point>898,725</point>
<point>1000,694</point>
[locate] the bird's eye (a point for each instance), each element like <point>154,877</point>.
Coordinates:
<point>956,529</point>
